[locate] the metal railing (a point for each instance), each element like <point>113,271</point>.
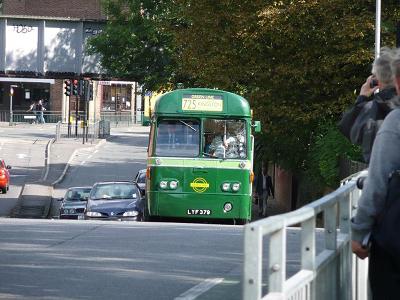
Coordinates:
<point>89,133</point>
<point>121,118</point>
<point>333,273</point>
<point>116,119</point>
<point>21,116</point>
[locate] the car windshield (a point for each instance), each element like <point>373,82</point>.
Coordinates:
<point>178,138</point>
<point>113,191</point>
<point>78,194</point>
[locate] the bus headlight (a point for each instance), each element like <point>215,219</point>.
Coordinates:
<point>163,184</point>
<point>235,187</point>
<point>228,207</point>
<point>173,184</point>
<point>226,186</point>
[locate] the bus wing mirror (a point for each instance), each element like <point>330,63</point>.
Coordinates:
<point>257,126</point>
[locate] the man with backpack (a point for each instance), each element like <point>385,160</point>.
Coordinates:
<point>378,212</point>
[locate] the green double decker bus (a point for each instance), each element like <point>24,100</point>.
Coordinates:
<point>200,156</point>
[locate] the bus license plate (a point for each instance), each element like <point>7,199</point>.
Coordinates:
<point>199,212</point>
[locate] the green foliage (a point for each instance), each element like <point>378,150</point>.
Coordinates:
<point>135,44</point>
<point>329,146</point>
<point>299,62</point>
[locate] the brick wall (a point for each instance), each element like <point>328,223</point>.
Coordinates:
<point>87,9</point>
<point>56,95</point>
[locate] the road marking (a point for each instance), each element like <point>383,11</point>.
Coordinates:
<point>82,163</point>
<point>21,155</point>
<point>199,289</point>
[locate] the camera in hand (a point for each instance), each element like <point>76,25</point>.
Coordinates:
<point>373,83</point>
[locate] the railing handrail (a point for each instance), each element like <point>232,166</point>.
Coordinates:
<point>337,208</point>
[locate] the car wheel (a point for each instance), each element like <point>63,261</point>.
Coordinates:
<point>8,187</point>
<point>4,190</point>
<point>146,217</point>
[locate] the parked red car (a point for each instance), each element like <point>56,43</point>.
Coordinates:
<point>4,176</point>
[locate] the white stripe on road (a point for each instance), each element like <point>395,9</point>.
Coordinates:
<point>199,289</point>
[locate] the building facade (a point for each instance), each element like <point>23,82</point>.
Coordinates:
<point>112,96</point>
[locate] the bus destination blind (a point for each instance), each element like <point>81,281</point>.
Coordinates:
<point>202,103</point>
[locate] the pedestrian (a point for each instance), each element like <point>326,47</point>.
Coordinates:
<point>264,189</point>
<point>375,207</point>
<point>376,99</point>
<point>39,110</point>
<point>32,108</point>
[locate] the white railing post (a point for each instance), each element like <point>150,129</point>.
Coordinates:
<point>277,261</point>
<point>308,250</point>
<point>323,275</point>
<point>252,275</point>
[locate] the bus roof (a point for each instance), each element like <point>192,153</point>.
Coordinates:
<point>200,101</point>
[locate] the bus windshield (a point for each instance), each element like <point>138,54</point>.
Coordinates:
<point>178,138</point>
<point>225,138</point>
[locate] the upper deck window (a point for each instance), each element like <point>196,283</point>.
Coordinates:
<point>178,138</point>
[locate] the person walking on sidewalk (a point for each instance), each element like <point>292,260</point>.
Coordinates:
<point>264,189</point>
<point>39,110</point>
<point>32,108</point>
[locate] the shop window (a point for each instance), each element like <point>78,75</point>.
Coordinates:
<point>117,98</point>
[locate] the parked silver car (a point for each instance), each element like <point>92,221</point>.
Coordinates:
<point>140,179</point>
<point>74,202</point>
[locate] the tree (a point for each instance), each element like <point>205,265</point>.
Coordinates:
<point>135,44</point>
<point>298,62</point>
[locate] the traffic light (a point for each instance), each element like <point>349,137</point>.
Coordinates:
<point>75,84</point>
<point>67,87</point>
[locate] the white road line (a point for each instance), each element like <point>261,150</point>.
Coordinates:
<point>199,289</point>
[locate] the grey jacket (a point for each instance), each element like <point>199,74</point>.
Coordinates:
<point>385,158</point>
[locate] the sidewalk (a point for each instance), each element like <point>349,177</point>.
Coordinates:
<point>35,199</point>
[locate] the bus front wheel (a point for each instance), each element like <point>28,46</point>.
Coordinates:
<point>241,221</point>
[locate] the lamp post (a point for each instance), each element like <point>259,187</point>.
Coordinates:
<point>11,103</point>
<point>378,28</point>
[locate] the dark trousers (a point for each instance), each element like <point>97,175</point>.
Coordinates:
<point>384,274</point>
<point>262,204</point>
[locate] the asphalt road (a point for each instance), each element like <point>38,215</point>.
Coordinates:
<point>23,149</point>
<point>54,259</point>
<point>70,259</point>
<point>120,158</point>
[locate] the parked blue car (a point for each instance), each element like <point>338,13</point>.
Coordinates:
<point>116,200</point>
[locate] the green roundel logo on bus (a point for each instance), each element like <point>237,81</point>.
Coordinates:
<point>199,185</point>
